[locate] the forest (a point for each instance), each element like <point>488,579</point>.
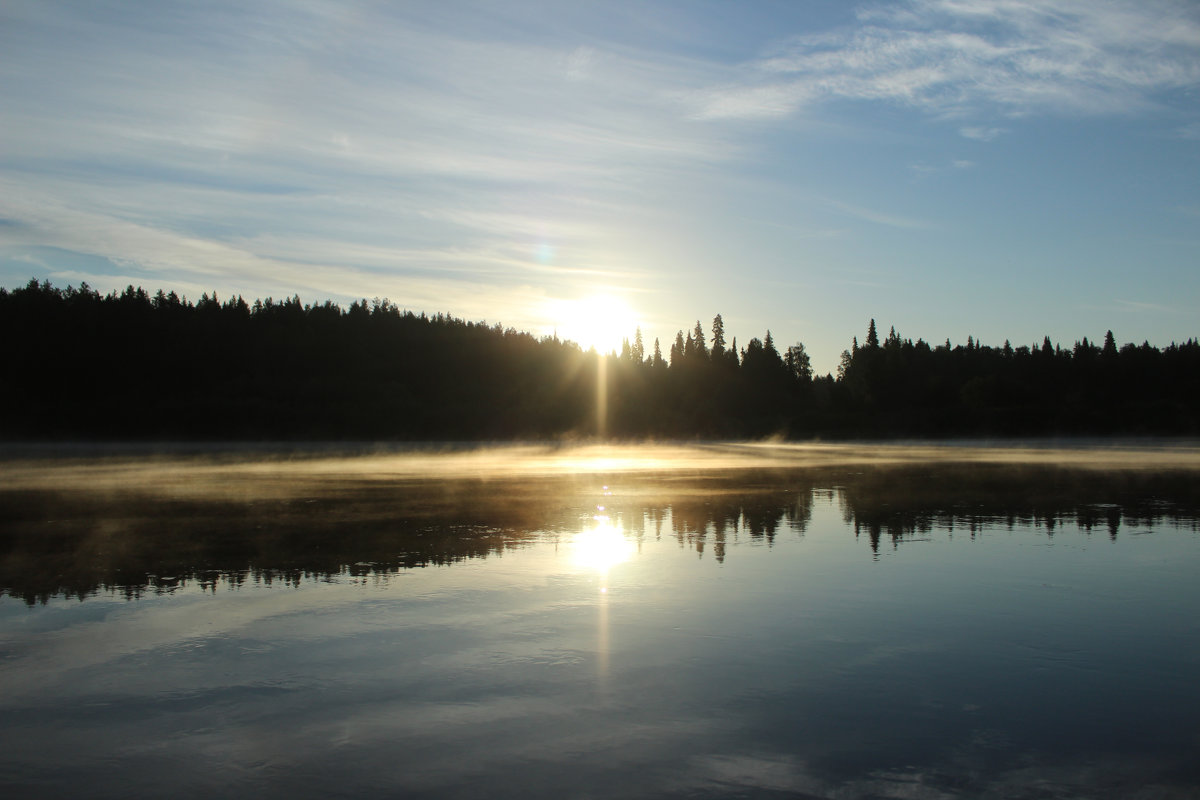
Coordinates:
<point>136,366</point>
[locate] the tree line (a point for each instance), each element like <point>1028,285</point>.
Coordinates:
<point>135,365</point>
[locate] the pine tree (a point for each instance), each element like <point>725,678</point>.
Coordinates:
<point>798,362</point>
<point>844,364</point>
<point>701,350</point>
<point>1110,346</point>
<point>718,339</point>
<point>678,349</point>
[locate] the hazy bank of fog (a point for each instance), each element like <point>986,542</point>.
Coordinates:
<point>194,468</point>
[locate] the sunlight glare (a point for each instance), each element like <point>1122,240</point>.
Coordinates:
<point>602,546</point>
<point>601,321</point>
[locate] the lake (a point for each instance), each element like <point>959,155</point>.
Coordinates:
<point>813,621</point>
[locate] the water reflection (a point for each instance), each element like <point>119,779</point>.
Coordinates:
<point>883,506</point>
<point>139,538</point>
<point>845,631</point>
<point>601,546</point>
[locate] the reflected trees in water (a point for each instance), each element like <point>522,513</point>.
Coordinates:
<point>74,542</point>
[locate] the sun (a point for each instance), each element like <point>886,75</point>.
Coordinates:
<point>601,321</point>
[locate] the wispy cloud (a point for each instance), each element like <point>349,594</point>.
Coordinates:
<point>749,102</point>
<point>982,134</point>
<point>951,57</point>
<point>1136,306</point>
<point>480,157</point>
<point>878,217</point>
<point>923,169</point>
<point>202,141</point>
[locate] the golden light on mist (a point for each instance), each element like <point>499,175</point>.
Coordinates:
<point>280,473</point>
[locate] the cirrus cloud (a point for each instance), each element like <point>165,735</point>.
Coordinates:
<point>955,58</point>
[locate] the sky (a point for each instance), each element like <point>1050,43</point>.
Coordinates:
<point>1004,169</point>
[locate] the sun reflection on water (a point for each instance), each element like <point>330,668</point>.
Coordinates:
<point>601,546</point>
<point>598,548</point>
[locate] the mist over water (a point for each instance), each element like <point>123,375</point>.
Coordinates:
<point>101,465</point>
<point>756,620</point>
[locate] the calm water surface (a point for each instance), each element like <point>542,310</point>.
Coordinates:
<point>599,627</point>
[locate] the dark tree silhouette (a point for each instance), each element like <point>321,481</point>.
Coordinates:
<point>701,350</point>
<point>718,338</point>
<point>135,365</point>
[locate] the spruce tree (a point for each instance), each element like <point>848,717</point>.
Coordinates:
<point>718,339</point>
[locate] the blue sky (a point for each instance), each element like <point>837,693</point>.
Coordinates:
<point>1000,168</point>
